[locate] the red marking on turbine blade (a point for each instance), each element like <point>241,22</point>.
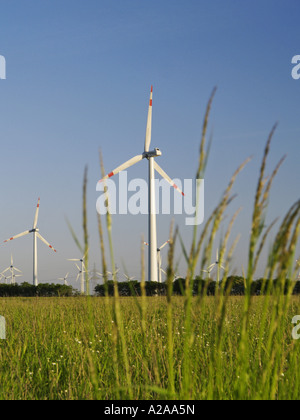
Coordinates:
<point>151,88</point>
<point>150,103</point>
<point>175,186</point>
<point>182,194</point>
<point>110,175</point>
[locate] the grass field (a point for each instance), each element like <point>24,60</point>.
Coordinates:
<point>71,348</point>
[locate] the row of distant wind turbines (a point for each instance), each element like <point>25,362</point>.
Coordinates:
<point>81,270</point>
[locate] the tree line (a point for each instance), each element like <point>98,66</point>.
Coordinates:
<point>234,285</point>
<point>29,290</point>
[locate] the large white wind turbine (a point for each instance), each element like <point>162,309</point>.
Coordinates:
<point>150,156</point>
<point>12,270</point>
<point>36,235</point>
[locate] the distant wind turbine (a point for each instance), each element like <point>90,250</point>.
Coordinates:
<point>36,235</point>
<point>81,270</point>
<point>96,276</point>
<point>128,278</point>
<point>159,259</point>
<point>113,274</point>
<point>12,270</point>
<point>216,264</point>
<point>64,279</point>
<point>150,156</point>
<point>3,277</point>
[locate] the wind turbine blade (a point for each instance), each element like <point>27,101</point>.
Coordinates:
<point>78,267</point>
<point>19,271</point>
<point>163,245</point>
<point>149,124</point>
<point>8,268</point>
<point>18,236</point>
<point>217,255</point>
<point>166,177</point>
<point>36,214</point>
<point>210,268</point>
<point>124,166</point>
<point>45,242</point>
<point>73,259</point>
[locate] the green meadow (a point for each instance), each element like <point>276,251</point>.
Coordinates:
<point>72,348</point>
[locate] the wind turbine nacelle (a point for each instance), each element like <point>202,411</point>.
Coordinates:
<point>34,230</point>
<point>154,153</point>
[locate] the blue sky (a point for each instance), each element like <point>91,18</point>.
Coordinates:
<point>78,79</point>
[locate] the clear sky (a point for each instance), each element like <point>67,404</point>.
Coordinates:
<point>78,79</point>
